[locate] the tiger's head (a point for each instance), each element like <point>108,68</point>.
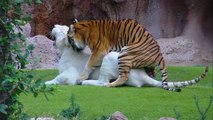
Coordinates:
<point>77,36</point>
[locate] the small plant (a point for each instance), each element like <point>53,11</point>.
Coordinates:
<point>203,113</point>
<point>102,118</point>
<point>73,112</point>
<point>177,114</point>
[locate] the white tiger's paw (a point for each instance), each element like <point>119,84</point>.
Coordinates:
<point>108,85</point>
<point>105,84</point>
<point>79,82</point>
<point>81,78</point>
<point>51,82</point>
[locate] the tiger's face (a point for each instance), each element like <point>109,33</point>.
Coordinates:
<point>76,37</point>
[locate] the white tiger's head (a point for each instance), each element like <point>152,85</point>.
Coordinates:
<point>60,34</point>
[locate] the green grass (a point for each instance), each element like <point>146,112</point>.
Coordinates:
<point>146,103</point>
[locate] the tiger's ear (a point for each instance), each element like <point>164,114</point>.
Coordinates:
<point>75,20</point>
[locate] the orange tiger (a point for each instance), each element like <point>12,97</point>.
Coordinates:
<point>136,46</point>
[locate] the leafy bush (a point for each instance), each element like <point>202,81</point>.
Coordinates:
<point>13,54</point>
<point>73,112</point>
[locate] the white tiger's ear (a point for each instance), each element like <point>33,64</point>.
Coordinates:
<point>75,20</point>
<point>72,29</point>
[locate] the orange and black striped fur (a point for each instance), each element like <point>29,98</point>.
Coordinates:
<point>136,46</point>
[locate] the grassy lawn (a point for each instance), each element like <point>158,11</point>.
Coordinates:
<point>146,103</point>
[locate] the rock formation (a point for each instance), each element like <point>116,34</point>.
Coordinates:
<point>45,55</point>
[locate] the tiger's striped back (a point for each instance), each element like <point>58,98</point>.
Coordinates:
<point>128,32</point>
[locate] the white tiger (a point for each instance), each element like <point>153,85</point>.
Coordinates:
<point>72,63</point>
<point>137,78</point>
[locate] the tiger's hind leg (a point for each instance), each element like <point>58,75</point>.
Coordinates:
<point>122,78</point>
<point>124,68</point>
<point>120,81</point>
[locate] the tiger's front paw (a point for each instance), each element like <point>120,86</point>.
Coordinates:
<point>83,76</point>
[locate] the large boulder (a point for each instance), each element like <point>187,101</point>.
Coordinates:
<point>118,116</point>
<point>45,55</point>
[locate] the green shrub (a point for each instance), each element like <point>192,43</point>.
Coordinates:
<point>73,112</point>
<point>13,54</point>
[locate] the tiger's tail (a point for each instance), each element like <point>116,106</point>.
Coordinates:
<point>165,77</point>
<point>175,86</point>
<point>163,70</point>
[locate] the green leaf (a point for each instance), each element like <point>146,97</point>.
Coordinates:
<point>14,106</point>
<point>29,2</point>
<point>45,95</point>
<point>19,1</point>
<point>30,47</point>
<point>35,94</point>
<point>38,1</point>
<point>8,27</point>
<point>30,76</point>
<point>27,18</point>
<point>22,37</point>
<point>3,108</point>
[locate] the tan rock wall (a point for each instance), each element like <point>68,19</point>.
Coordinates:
<point>185,25</point>
<point>162,19</point>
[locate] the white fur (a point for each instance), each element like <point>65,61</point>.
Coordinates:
<point>109,70</point>
<point>72,63</point>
